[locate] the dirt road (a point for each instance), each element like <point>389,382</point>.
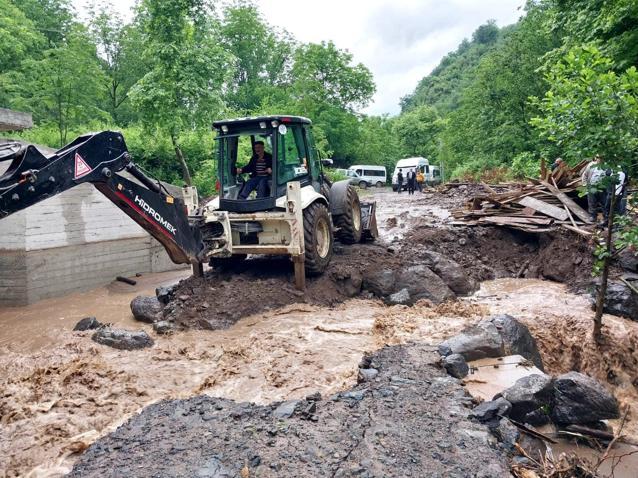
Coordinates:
<point>62,391</point>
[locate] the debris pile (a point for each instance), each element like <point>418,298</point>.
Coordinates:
<point>541,205</point>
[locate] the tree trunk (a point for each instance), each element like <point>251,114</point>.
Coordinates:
<point>602,291</point>
<point>186,175</point>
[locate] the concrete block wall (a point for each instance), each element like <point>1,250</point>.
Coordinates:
<point>74,241</point>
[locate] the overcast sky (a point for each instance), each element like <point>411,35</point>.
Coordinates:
<point>400,41</point>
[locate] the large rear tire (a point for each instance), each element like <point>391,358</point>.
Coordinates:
<point>349,223</point>
<point>318,240</point>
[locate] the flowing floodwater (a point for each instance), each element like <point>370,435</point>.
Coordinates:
<point>59,391</point>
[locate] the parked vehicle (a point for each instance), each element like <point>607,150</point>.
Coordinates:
<point>405,165</point>
<point>370,175</point>
<point>434,177</point>
<point>352,176</point>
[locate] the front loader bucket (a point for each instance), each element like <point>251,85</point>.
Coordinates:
<point>369,221</point>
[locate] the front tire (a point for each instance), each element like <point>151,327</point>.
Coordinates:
<point>318,239</point>
<point>363,185</point>
<point>349,223</point>
<point>379,184</point>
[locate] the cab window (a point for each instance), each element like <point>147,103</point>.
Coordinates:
<point>291,158</point>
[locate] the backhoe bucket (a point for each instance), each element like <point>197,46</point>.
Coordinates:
<point>369,221</point>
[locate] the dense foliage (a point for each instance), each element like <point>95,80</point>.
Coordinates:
<point>178,65</point>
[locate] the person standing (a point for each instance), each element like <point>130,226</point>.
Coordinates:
<point>411,180</point>
<point>615,188</point>
<point>591,177</point>
<point>420,179</point>
<point>399,181</point>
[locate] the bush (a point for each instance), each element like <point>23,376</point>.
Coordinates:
<point>526,165</point>
<point>333,175</point>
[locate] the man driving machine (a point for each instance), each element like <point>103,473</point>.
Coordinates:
<point>260,169</point>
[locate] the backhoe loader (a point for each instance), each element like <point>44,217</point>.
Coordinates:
<point>297,212</point>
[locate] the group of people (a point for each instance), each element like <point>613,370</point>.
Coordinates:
<point>414,180</point>
<point>603,186</point>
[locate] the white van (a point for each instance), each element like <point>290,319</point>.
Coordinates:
<point>370,175</point>
<point>435,175</point>
<point>405,165</point>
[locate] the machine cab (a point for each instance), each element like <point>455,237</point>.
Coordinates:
<point>249,184</point>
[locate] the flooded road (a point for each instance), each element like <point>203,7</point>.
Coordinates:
<point>39,325</point>
<point>61,391</point>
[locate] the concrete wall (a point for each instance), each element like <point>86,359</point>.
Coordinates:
<point>14,120</point>
<point>74,241</point>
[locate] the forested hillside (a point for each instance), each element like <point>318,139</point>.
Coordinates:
<point>164,77</point>
<point>486,97</point>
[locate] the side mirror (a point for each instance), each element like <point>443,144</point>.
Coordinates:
<point>327,162</point>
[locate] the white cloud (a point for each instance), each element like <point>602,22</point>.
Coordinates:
<point>401,41</point>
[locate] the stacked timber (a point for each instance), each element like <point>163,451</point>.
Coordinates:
<point>540,205</point>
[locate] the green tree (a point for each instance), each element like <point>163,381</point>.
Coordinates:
<point>591,110</point>
<point>612,24</point>
<point>263,56</point>
<point>52,18</point>
<point>63,86</point>
<point>182,90</point>
<point>324,76</point>
<point>418,132</point>
<point>118,46</point>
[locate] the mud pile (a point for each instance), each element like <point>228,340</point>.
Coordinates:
<point>491,253</point>
<point>408,418</point>
<point>260,284</point>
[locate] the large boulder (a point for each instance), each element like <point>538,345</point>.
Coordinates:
<point>579,398</point>
<point>380,282</point>
<point>620,300</point>
<point>122,339</point>
<point>517,339</point>
<point>453,274</point>
<point>422,283</point>
<point>146,309</point>
<point>418,282</point>
<point>480,341</point>
<point>531,399</point>
<point>628,259</point>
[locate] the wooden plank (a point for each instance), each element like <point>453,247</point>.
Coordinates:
<point>517,220</point>
<point>570,216</point>
<point>567,201</point>
<point>545,208</point>
<point>488,188</point>
<point>577,230</point>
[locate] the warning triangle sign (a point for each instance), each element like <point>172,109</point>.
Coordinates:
<point>81,168</point>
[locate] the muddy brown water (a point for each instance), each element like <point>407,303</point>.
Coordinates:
<point>59,391</point>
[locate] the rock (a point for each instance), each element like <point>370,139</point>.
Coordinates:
<point>517,339</point>
<point>146,309</point>
<point>579,398</point>
<point>480,341</point>
<point>379,282</point>
<point>367,374</point>
<point>354,394</point>
<point>422,283</point>
<point>506,433</point>
<point>490,411</point>
<point>122,339</point>
<point>419,282</point>
<point>87,323</point>
<point>164,327</point>
<point>453,274</point>
<point>628,260</point>
<point>286,409</point>
<point>401,297</point>
<point>165,294</point>
<point>456,365</point>
<point>620,300</point>
<point>348,282</point>
<point>531,399</point>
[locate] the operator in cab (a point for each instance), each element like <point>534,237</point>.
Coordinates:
<point>260,169</point>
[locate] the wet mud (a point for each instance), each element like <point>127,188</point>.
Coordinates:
<point>264,342</point>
